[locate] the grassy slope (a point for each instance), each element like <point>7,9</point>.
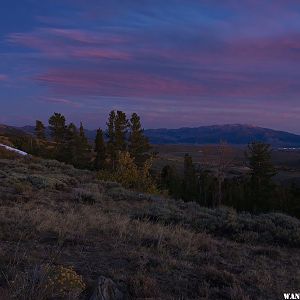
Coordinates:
<point>151,247</point>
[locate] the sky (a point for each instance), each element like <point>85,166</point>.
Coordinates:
<point>177,63</point>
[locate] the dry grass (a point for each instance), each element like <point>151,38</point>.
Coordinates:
<point>152,248</point>
<point>4,153</point>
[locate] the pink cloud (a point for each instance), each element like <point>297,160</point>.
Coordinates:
<point>3,77</point>
<point>239,67</point>
<point>94,53</point>
<point>124,82</point>
<point>236,53</point>
<point>242,67</point>
<point>67,43</point>
<point>116,83</point>
<point>88,37</point>
<point>85,44</point>
<point>258,50</point>
<point>61,101</point>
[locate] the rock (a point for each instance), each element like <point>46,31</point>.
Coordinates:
<point>106,289</point>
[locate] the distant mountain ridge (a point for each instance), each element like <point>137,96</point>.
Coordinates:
<point>12,131</point>
<point>235,134</point>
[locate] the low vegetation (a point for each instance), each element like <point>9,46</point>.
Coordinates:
<point>122,153</point>
<point>62,228</point>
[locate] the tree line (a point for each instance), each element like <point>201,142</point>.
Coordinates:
<point>69,144</point>
<point>256,191</point>
<point>121,153</point>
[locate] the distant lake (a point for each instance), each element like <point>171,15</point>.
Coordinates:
<point>289,149</point>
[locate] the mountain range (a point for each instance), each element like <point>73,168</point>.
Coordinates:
<point>235,134</point>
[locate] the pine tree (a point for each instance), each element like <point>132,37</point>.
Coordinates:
<point>189,180</point>
<point>117,126</point>
<point>206,193</point>
<point>138,143</point>
<point>81,131</point>
<point>224,161</point>
<point>121,128</point>
<point>262,171</point>
<point>57,125</point>
<point>100,149</point>
<point>111,149</point>
<point>70,147</point>
<point>171,181</point>
<point>84,149</point>
<point>40,130</point>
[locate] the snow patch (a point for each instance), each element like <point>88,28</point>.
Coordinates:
<point>14,150</point>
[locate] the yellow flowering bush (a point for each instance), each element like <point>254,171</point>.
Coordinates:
<point>45,282</point>
<point>130,175</point>
<point>64,281</point>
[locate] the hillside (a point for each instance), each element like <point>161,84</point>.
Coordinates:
<point>11,131</point>
<point>235,134</point>
<point>62,228</point>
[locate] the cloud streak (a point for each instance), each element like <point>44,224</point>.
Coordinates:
<point>151,52</point>
<point>3,77</point>
<point>61,101</point>
<point>116,64</point>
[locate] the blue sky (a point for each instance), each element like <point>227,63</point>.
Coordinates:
<point>176,63</point>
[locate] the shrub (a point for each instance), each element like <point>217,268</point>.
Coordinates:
<point>270,228</point>
<point>36,167</point>
<point>45,282</point>
<point>64,281</point>
<point>22,187</point>
<point>82,195</point>
<point>143,286</point>
<point>42,182</point>
<point>130,176</point>
<point>8,154</point>
<point>120,193</point>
